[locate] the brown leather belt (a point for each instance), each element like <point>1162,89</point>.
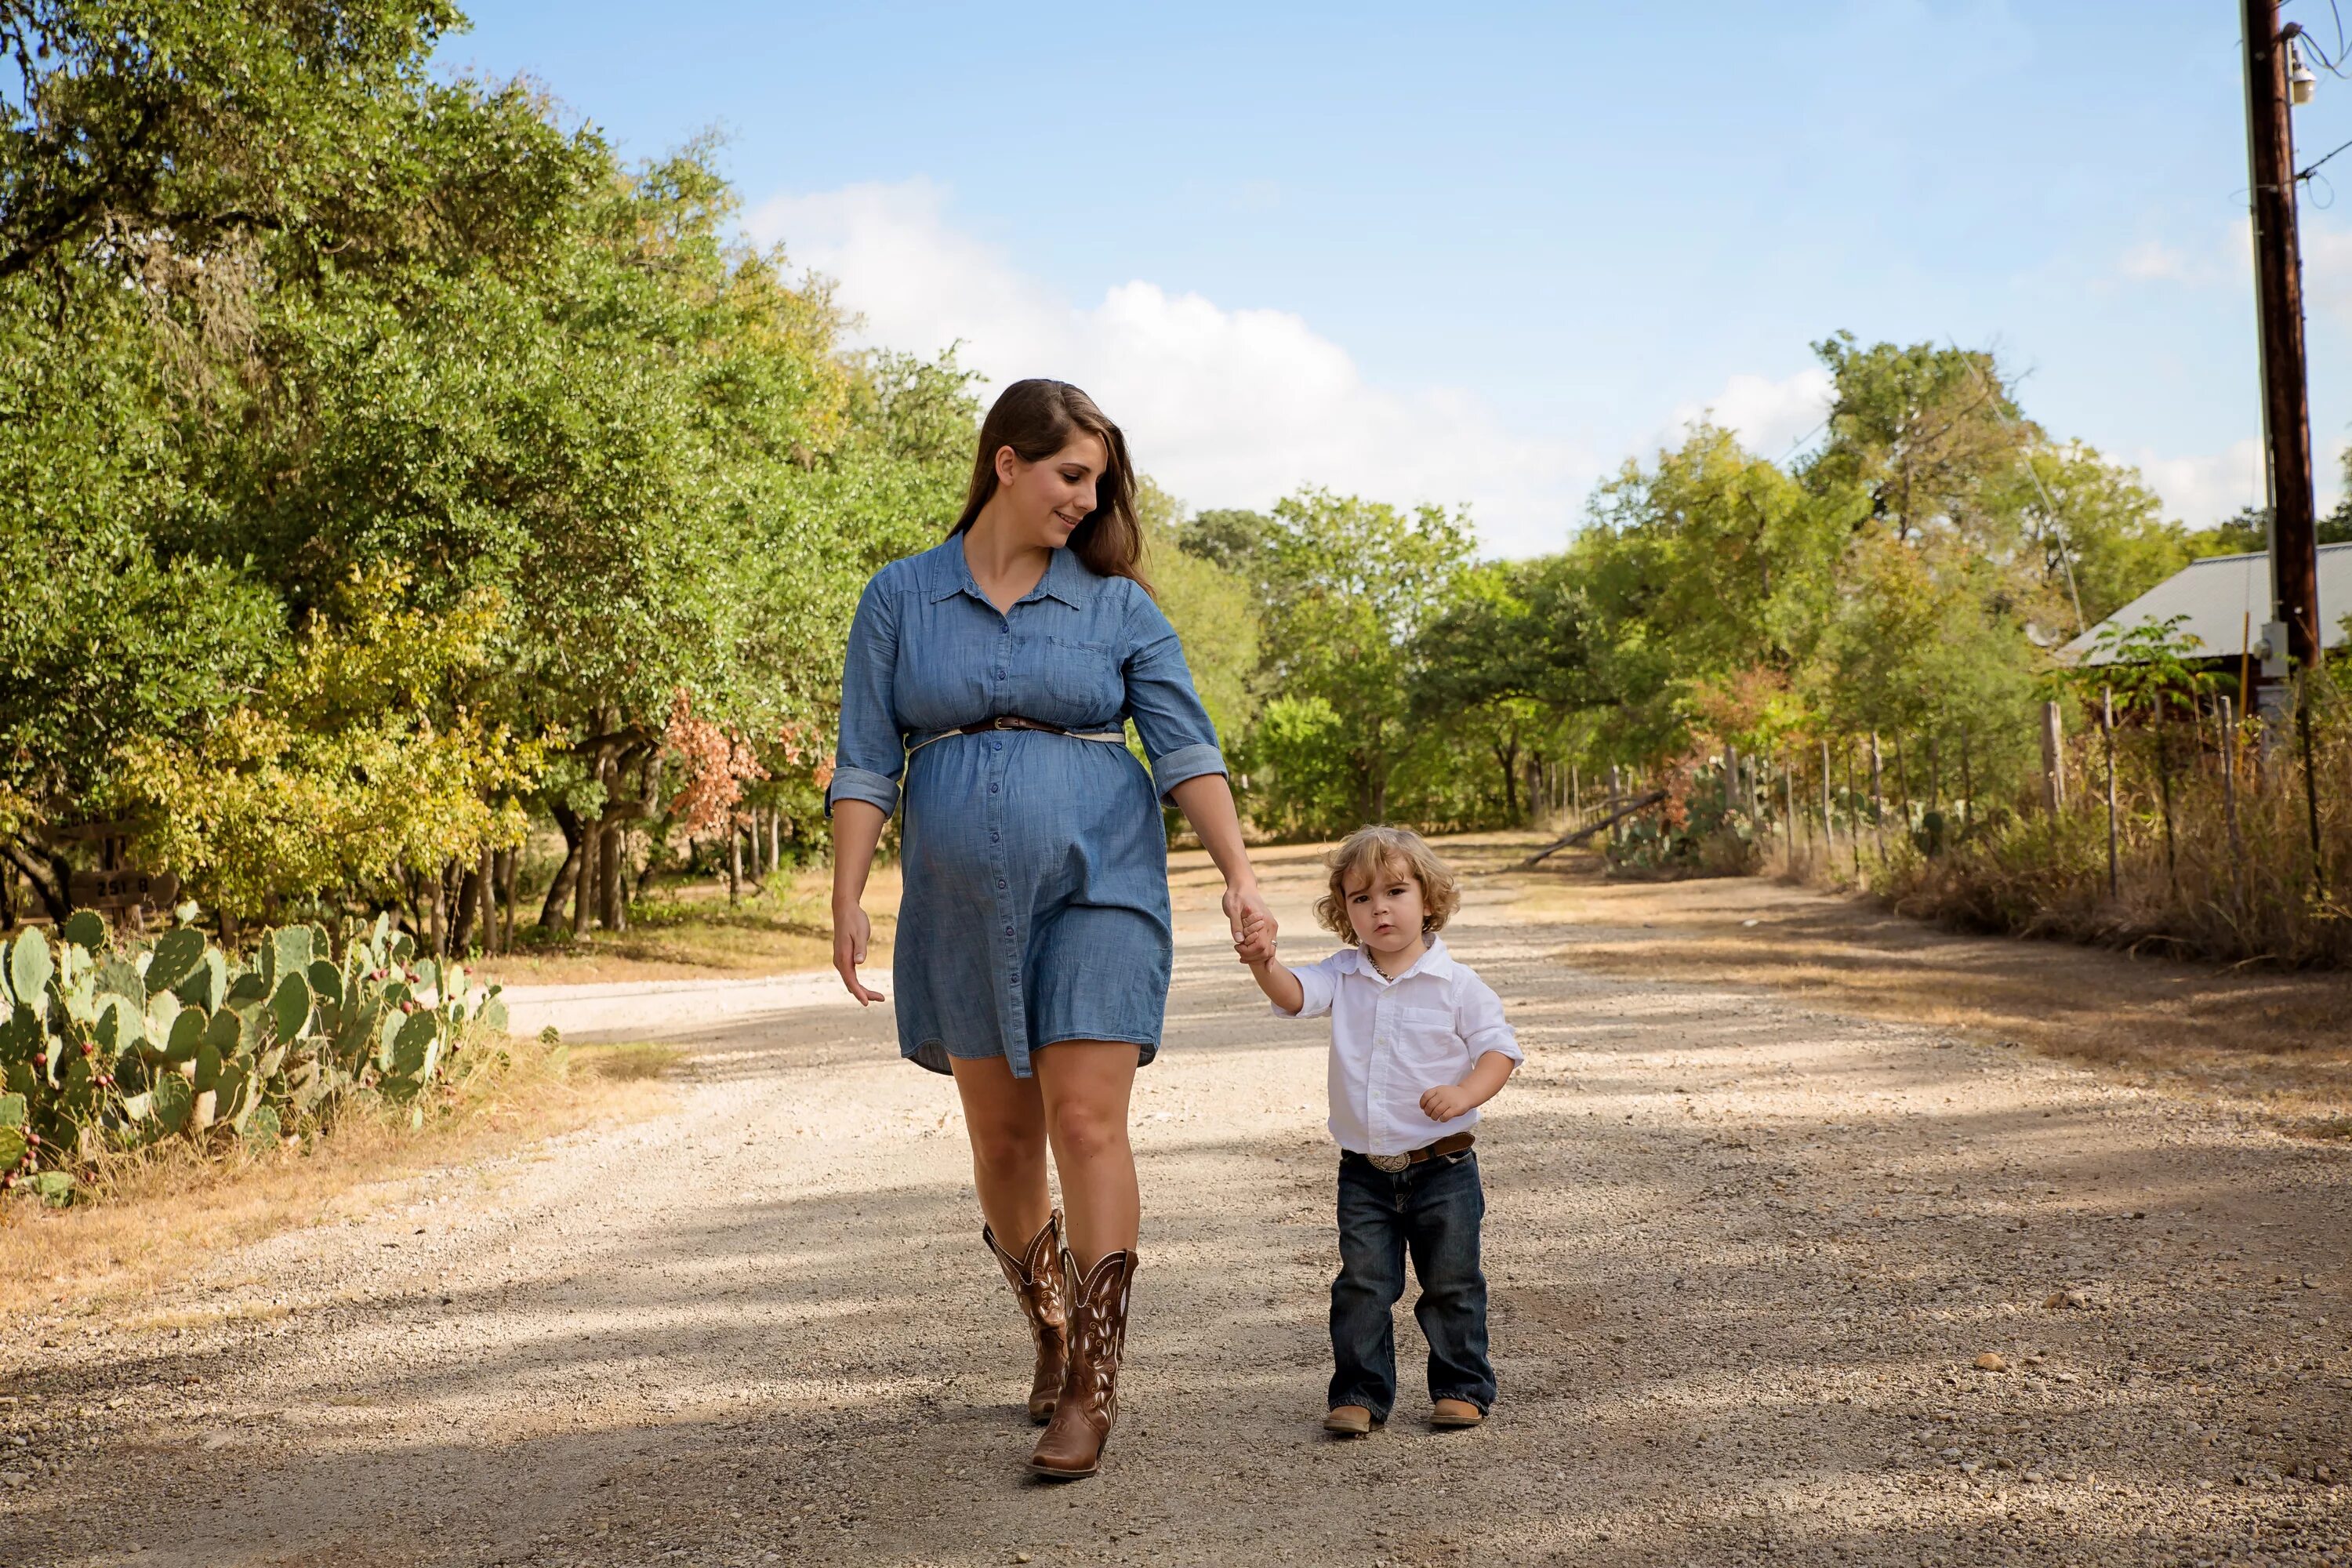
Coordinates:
<point>1452,1144</point>
<point>1015,721</point>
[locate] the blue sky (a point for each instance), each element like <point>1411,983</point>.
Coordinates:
<point>1485,253</point>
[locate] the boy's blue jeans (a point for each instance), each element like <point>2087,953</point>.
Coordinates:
<point>1431,1211</point>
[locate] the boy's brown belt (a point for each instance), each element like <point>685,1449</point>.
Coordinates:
<point>1452,1144</point>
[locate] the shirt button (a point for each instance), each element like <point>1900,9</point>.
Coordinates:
<point>992,789</point>
<point>999,881</point>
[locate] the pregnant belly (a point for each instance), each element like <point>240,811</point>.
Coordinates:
<point>1046,808</point>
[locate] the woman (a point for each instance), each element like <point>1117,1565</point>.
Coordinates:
<point>989,677</point>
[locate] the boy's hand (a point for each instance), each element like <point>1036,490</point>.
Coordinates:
<point>1257,943</point>
<point>1446,1102</point>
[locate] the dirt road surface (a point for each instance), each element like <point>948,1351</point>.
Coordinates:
<point>1770,1286</point>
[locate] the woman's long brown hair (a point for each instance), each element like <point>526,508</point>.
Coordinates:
<point>1037,419</point>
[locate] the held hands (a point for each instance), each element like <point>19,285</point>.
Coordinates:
<point>1256,943</point>
<point>1252,923</point>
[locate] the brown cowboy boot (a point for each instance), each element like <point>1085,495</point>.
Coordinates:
<point>1036,1278</point>
<point>1072,1444</point>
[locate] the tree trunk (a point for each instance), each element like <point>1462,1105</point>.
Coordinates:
<point>48,881</point>
<point>467,919</point>
<point>566,875</point>
<point>734,864</point>
<point>509,876</point>
<point>488,894</point>
<point>591,860</point>
<point>613,909</point>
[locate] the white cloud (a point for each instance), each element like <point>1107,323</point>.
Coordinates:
<point>2152,260</point>
<point>2327,272</point>
<point>1224,408</point>
<point>2203,490</point>
<point>1770,417</point>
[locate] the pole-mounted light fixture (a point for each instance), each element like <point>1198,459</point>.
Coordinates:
<point>2300,81</point>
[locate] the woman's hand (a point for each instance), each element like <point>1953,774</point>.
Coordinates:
<point>856,829</point>
<point>1246,910</point>
<point>852,931</point>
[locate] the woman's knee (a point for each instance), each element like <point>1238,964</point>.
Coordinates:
<point>1006,1147</point>
<point>1083,1131</point>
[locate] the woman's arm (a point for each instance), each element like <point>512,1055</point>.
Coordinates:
<point>1207,803</point>
<point>856,829</point>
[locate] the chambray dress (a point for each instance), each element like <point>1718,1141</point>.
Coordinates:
<point>1036,865</point>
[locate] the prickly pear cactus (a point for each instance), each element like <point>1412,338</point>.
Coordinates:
<point>110,1043</point>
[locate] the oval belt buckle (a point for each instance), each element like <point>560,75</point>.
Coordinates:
<point>1390,1162</point>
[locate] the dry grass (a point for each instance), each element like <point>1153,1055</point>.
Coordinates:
<point>2279,1042</point>
<point>157,1216</point>
<point>694,933</point>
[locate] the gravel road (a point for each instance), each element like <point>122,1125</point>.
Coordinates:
<point>1770,1285</point>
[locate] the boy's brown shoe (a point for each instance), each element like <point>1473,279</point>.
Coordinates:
<point>1451,1413</point>
<point>1348,1420</point>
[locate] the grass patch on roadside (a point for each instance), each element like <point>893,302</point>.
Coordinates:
<point>157,1214</point>
<point>2277,1042</point>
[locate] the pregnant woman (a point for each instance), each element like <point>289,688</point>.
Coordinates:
<point>987,682</point>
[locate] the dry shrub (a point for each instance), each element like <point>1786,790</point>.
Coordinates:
<point>2194,890</point>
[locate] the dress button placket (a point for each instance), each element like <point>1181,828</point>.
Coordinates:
<point>1014,1021</point>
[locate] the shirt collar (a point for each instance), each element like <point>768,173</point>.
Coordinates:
<point>1067,577</point>
<point>1436,962</point>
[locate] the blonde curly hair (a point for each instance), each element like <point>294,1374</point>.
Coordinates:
<point>1367,852</point>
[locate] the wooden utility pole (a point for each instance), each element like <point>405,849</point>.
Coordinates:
<point>2278,298</point>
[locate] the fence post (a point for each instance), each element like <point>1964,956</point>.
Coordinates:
<point>2053,771</point>
<point>1575,794</point>
<point>1730,779</point>
<point>2107,730</point>
<point>2230,801</point>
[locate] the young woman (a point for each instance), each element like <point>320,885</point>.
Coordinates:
<point>986,683</point>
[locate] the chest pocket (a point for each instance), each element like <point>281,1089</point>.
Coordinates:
<point>1079,683</point>
<point>1426,1040</point>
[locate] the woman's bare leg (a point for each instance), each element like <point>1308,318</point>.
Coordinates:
<point>1087,1084</point>
<point>1005,1118</point>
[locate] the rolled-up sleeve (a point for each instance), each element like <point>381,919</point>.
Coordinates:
<point>871,754</point>
<point>1177,734</point>
<point>1478,1015</point>
<point>1318,984</point>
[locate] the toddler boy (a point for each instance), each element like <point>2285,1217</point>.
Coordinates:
<point>1418,1044</point>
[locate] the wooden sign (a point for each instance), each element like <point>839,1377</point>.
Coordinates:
<point>123,889</point>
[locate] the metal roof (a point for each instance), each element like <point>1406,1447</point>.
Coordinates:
<point>2224,596</point>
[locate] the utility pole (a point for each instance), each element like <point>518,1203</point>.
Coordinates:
<point>2292,643</point>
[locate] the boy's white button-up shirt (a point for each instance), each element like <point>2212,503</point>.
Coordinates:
<point>1393,1040</point>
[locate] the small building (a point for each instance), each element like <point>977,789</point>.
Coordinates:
<point>2225,599</point>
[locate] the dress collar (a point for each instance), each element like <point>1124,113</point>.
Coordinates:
<point>1067,577</point>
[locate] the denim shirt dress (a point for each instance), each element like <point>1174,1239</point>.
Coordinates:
<point>1035,864</point>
